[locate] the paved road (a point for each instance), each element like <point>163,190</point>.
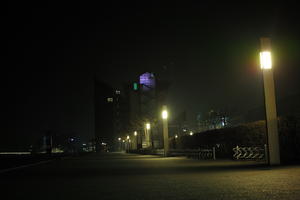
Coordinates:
<point>123,176</point>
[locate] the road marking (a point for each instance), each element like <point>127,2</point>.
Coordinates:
<point>24,166</point>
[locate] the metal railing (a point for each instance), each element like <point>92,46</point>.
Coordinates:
<point>250,153</point>
<point>190,153</point>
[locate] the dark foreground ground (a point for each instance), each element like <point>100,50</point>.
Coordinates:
<point>123,176</point>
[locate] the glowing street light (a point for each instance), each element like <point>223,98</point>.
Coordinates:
<point>127,137</point>
<point>176,136</point>
<point>164,114</point>
<point>165,130</point>
<point>136,139</point>
<point>120,144</point>
<point>270,102</point>
<point>147,134</point>
<point>265,60</point>
<point>191,133</point>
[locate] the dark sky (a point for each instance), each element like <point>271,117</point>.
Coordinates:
<point>209,52</point>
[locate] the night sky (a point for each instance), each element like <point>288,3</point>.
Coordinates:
<point>208,51</point>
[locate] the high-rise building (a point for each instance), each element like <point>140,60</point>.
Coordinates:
<point>146,97</point>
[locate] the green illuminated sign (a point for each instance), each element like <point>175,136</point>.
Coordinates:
<point>135,86</point>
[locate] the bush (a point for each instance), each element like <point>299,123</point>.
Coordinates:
<point>251,134</point>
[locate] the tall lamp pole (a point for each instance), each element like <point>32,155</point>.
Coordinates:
<point>136,139</point>
<point>270,102</point>
<point>120,144</point>
<point>148,134</point>
<point>165,130</point>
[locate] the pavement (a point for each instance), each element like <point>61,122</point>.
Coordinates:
<point>130,176</point>
<point>11,161</point>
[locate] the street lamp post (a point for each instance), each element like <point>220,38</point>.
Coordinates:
<point>136,139</point>
<point>120,144</point>
<point>123,146</point>
<point>165,130</point>
<point>128,143</point>
<point>270,102</point>
<point>148,134</point>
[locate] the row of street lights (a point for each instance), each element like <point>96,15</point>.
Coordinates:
<point>148,127</point>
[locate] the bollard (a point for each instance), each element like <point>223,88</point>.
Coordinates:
<point>214,153</point>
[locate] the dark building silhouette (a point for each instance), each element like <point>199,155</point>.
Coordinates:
<point>104,114</point>
<point>121,111</point>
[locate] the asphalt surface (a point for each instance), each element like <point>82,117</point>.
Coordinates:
<point>125,176</point>
<point>14,161</point>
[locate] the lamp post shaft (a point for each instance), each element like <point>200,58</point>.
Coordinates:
<point>166,137</point>
<point>165,134</point>
<point>270,108</point>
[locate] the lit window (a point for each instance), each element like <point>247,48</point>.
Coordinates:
<point>110,99</point>
<point>118,92</point>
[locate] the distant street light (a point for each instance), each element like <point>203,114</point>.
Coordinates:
<point>164,114</point>
<point>165,130</point>
<point>191,133</point>
<point>147,135</point>
<point>120,144</point>
<point>175,141</point>
<point>127,137</point>
<point>136,139</point>
<point>270,102</point>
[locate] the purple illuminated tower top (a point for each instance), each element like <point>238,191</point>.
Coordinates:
<point>147,81</point>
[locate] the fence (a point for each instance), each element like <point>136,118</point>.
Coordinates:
<point>190,153</point>
<point>250,153</point>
